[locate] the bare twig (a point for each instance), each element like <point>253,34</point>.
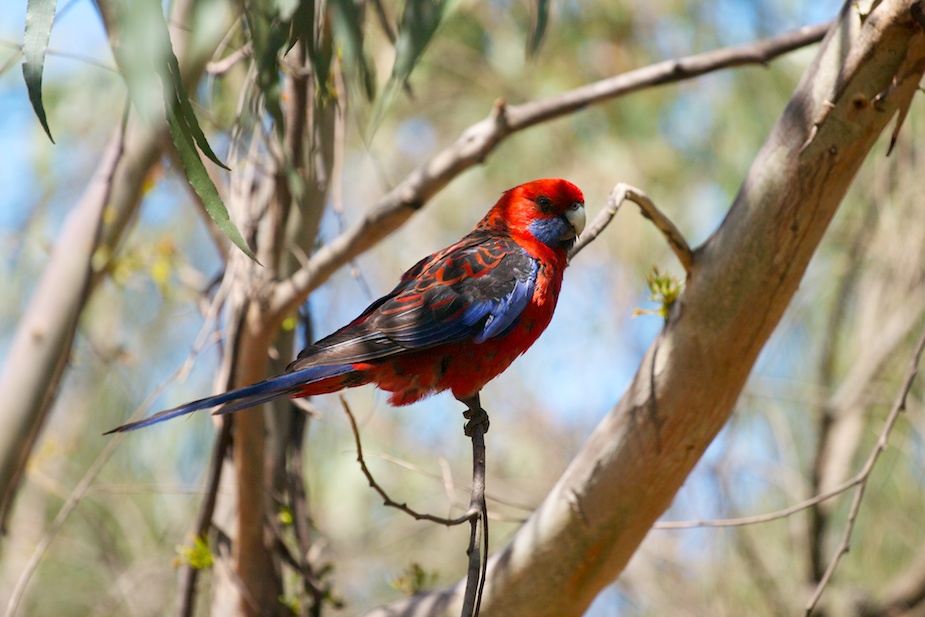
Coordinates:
<point>764,518</point>
<point>899,405</point>
<point>471,514</point>
<point>478,141</point>
<point>856,481</point>
<point>622,192</point>
<point>384,21</point>
<point>188,576</point>
<point>476,515</point>
<point>837,321</point>
<point>477,551</point>
<point>220,67</point>
<point>450,486</point>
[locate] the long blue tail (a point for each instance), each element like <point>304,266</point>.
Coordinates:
<point>286,384</point>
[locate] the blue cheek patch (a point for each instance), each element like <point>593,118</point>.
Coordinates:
<point>549,231</point>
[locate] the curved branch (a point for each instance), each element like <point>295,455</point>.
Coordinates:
<point>622,192</point>
<point>480,140</point>
<point>471,514</point>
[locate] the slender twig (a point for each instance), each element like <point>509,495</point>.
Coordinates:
<point>298,498</point>
<point>764,518</point>
<point>478,550</point>
<point>220,67</point>
<point>479,140</point>
<point>855,482</point>
<point>471,514</point>
<point>836,323</point>
<point>384,21</point>
<point>477,515</point>
<point>622,192</point>
<point>899,406</point>
<point>450,486</point>
<point>188,576</point>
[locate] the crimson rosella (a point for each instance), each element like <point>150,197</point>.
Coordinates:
<point>455,321</point>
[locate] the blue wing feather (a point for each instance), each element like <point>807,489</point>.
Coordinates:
<point>433,312</point>
<point>504,312</point>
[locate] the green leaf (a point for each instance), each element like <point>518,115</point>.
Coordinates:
<point>269,35</point>
<point>40,14</point>
<point>146,58</point>
<point>175,93</point>
<point>538,30</point>
<point>348,28</point>
<point>201,182</point>
<point>198,556</point>
<point>419,22</point>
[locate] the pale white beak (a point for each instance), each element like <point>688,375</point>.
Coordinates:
<point>575,215</point>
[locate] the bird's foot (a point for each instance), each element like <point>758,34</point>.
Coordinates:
<point>475,416</point>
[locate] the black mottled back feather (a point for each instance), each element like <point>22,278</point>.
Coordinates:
<point>445,297</point>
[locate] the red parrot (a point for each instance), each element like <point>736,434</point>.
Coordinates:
<point>455,321</point>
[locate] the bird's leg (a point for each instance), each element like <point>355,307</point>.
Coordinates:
<point>475,414</point>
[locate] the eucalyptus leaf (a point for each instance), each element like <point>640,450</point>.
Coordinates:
<point>348,27</point>
<point>538,29</point>
<point>420,21</point>
<point>201,182</point>
<point>175,95</point>
<point>146,57</point>
<point>40,15</point>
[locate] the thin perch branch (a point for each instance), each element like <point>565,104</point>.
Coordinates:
<point>188,575</point>
<point>477,551</point>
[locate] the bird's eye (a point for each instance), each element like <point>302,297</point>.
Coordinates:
<point>544,202</point>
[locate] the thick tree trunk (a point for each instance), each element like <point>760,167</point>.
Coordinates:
<point>581,537</point>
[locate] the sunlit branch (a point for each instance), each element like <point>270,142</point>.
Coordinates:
<point>623,192</point>
<point>479,140</point>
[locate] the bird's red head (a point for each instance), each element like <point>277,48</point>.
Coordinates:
<point>548,212</point>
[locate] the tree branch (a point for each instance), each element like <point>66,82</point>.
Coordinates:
<point>481,139</point>
<point>622,192</point>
